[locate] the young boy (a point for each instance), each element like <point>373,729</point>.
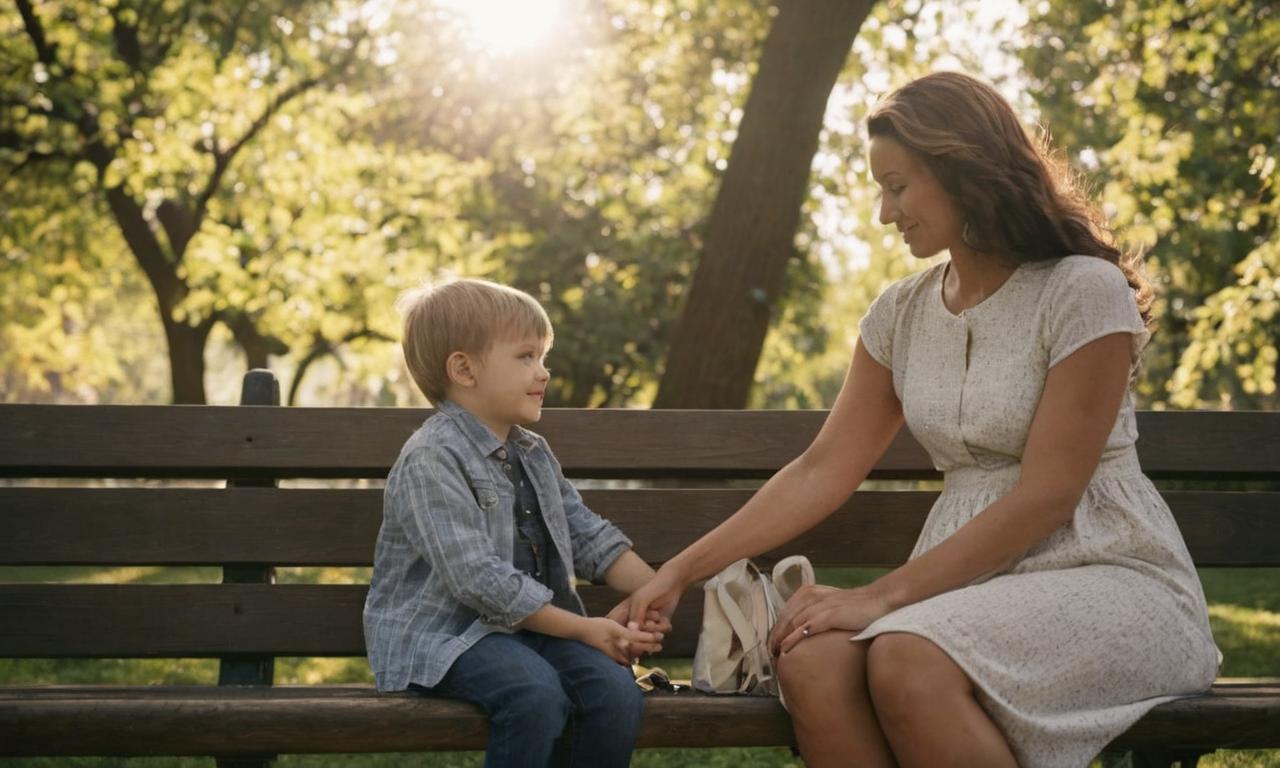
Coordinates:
<point>472,592</point>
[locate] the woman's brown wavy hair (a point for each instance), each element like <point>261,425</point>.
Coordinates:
<point>1019,199</point>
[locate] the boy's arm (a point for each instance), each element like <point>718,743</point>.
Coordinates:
<point>616,641</point>
<point>628,573</point>
<point>447,525</point>
<point>597,543</point>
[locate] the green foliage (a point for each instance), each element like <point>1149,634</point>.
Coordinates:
<point>135,124</point>
<point>1175,109</point>
<point>603,165</point>
<point>399,155</point>
<point>582,171</point>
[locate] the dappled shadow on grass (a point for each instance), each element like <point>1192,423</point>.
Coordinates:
<point>107,762</point>
<point>124,574</point>
<point>1244,613</point>
<point>1257,588</point>
<point>321,671</point>
<point>108,672</point>
<point>1249,640</point>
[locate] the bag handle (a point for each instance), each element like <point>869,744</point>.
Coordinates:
<point>744,628</point>
<point>737,619</point>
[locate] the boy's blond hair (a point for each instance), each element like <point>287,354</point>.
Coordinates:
<point>463,315</point>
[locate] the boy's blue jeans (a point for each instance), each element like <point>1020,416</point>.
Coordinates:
<point>550,701</point>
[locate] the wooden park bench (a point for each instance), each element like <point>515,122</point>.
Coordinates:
<point>1227,465</point>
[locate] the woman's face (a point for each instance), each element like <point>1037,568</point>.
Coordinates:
<point>913,200</point>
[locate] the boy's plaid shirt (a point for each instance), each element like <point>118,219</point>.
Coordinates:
<point>443,575</point>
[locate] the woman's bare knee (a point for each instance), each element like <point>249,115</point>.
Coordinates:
<point>926,705</point>
<point>825,684</point>
<point>819,666</point>
<point>906,673</point>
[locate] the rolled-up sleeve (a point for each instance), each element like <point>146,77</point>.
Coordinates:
<point>597,543</point>
<point>447,525</point>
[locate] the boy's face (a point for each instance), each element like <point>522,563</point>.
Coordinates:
<point>510,382</point>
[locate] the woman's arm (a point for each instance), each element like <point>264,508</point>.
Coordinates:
<point>1076,414</point>
<point>627,574</point>
<point>859,428</point>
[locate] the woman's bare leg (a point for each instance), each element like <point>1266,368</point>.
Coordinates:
<point>927,708</point>
<point>824,680</point>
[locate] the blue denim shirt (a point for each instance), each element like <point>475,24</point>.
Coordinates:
<point>443,575</point>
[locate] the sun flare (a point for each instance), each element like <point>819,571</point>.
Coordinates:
<point>507,26</point>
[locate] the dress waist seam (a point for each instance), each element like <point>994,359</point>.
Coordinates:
<point>1119,464</point>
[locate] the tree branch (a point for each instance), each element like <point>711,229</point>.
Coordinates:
<point>256,345</point>
<point>222,160</point>
<point>45,52</point>
<point>229,37</point>
<point>146,249</point>
<point>320,348</point>
<point>125,37</point>
<point>179,226</point>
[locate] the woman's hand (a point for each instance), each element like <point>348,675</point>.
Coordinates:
<point>815,609</point>
<point>655,621</point>
<point>658,597</point>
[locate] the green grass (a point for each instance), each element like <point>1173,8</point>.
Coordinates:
<point>1244,612</point>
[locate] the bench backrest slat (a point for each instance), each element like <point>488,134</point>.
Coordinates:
<point>337,527</point>
<point>206,620</point>
<point>246,441</point>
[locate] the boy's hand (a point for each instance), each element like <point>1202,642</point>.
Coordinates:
<point>617,642</point>
<point>655,621</point>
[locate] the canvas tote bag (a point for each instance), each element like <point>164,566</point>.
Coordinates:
<point>740,606</point>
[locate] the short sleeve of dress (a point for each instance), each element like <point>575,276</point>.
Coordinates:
<point>1090,298</point>
<point>876,328</point>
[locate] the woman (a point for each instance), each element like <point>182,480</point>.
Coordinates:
<point>1050,600</point>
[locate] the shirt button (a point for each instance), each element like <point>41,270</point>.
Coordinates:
<point>528,511</point>
<point>502,454</point>
<point>507,467</point>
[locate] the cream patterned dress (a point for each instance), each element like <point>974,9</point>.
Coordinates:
<point>1105,618</point>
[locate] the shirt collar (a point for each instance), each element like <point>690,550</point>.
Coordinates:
<point>479,434</point>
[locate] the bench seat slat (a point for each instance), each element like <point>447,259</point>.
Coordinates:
<point>337,527</point>
<point>65,721</point>
<point>236,441</point>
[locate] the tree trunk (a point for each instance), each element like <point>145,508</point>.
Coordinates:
<point>186,359</point>
<point>186,342</point>
<point>717,343</point>
<point>257,347</point>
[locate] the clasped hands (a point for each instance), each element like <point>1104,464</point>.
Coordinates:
<point>810,611</point>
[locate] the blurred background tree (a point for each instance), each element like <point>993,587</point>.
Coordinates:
<point>190,189</point>
<point>1174,110</point>
<point>147,108</point>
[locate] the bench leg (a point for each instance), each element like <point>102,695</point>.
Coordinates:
<point>1152,758</point>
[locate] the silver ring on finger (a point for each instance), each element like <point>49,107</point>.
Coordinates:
<point>804,631</point>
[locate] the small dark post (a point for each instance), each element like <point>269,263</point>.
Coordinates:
<point>260,388</point>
